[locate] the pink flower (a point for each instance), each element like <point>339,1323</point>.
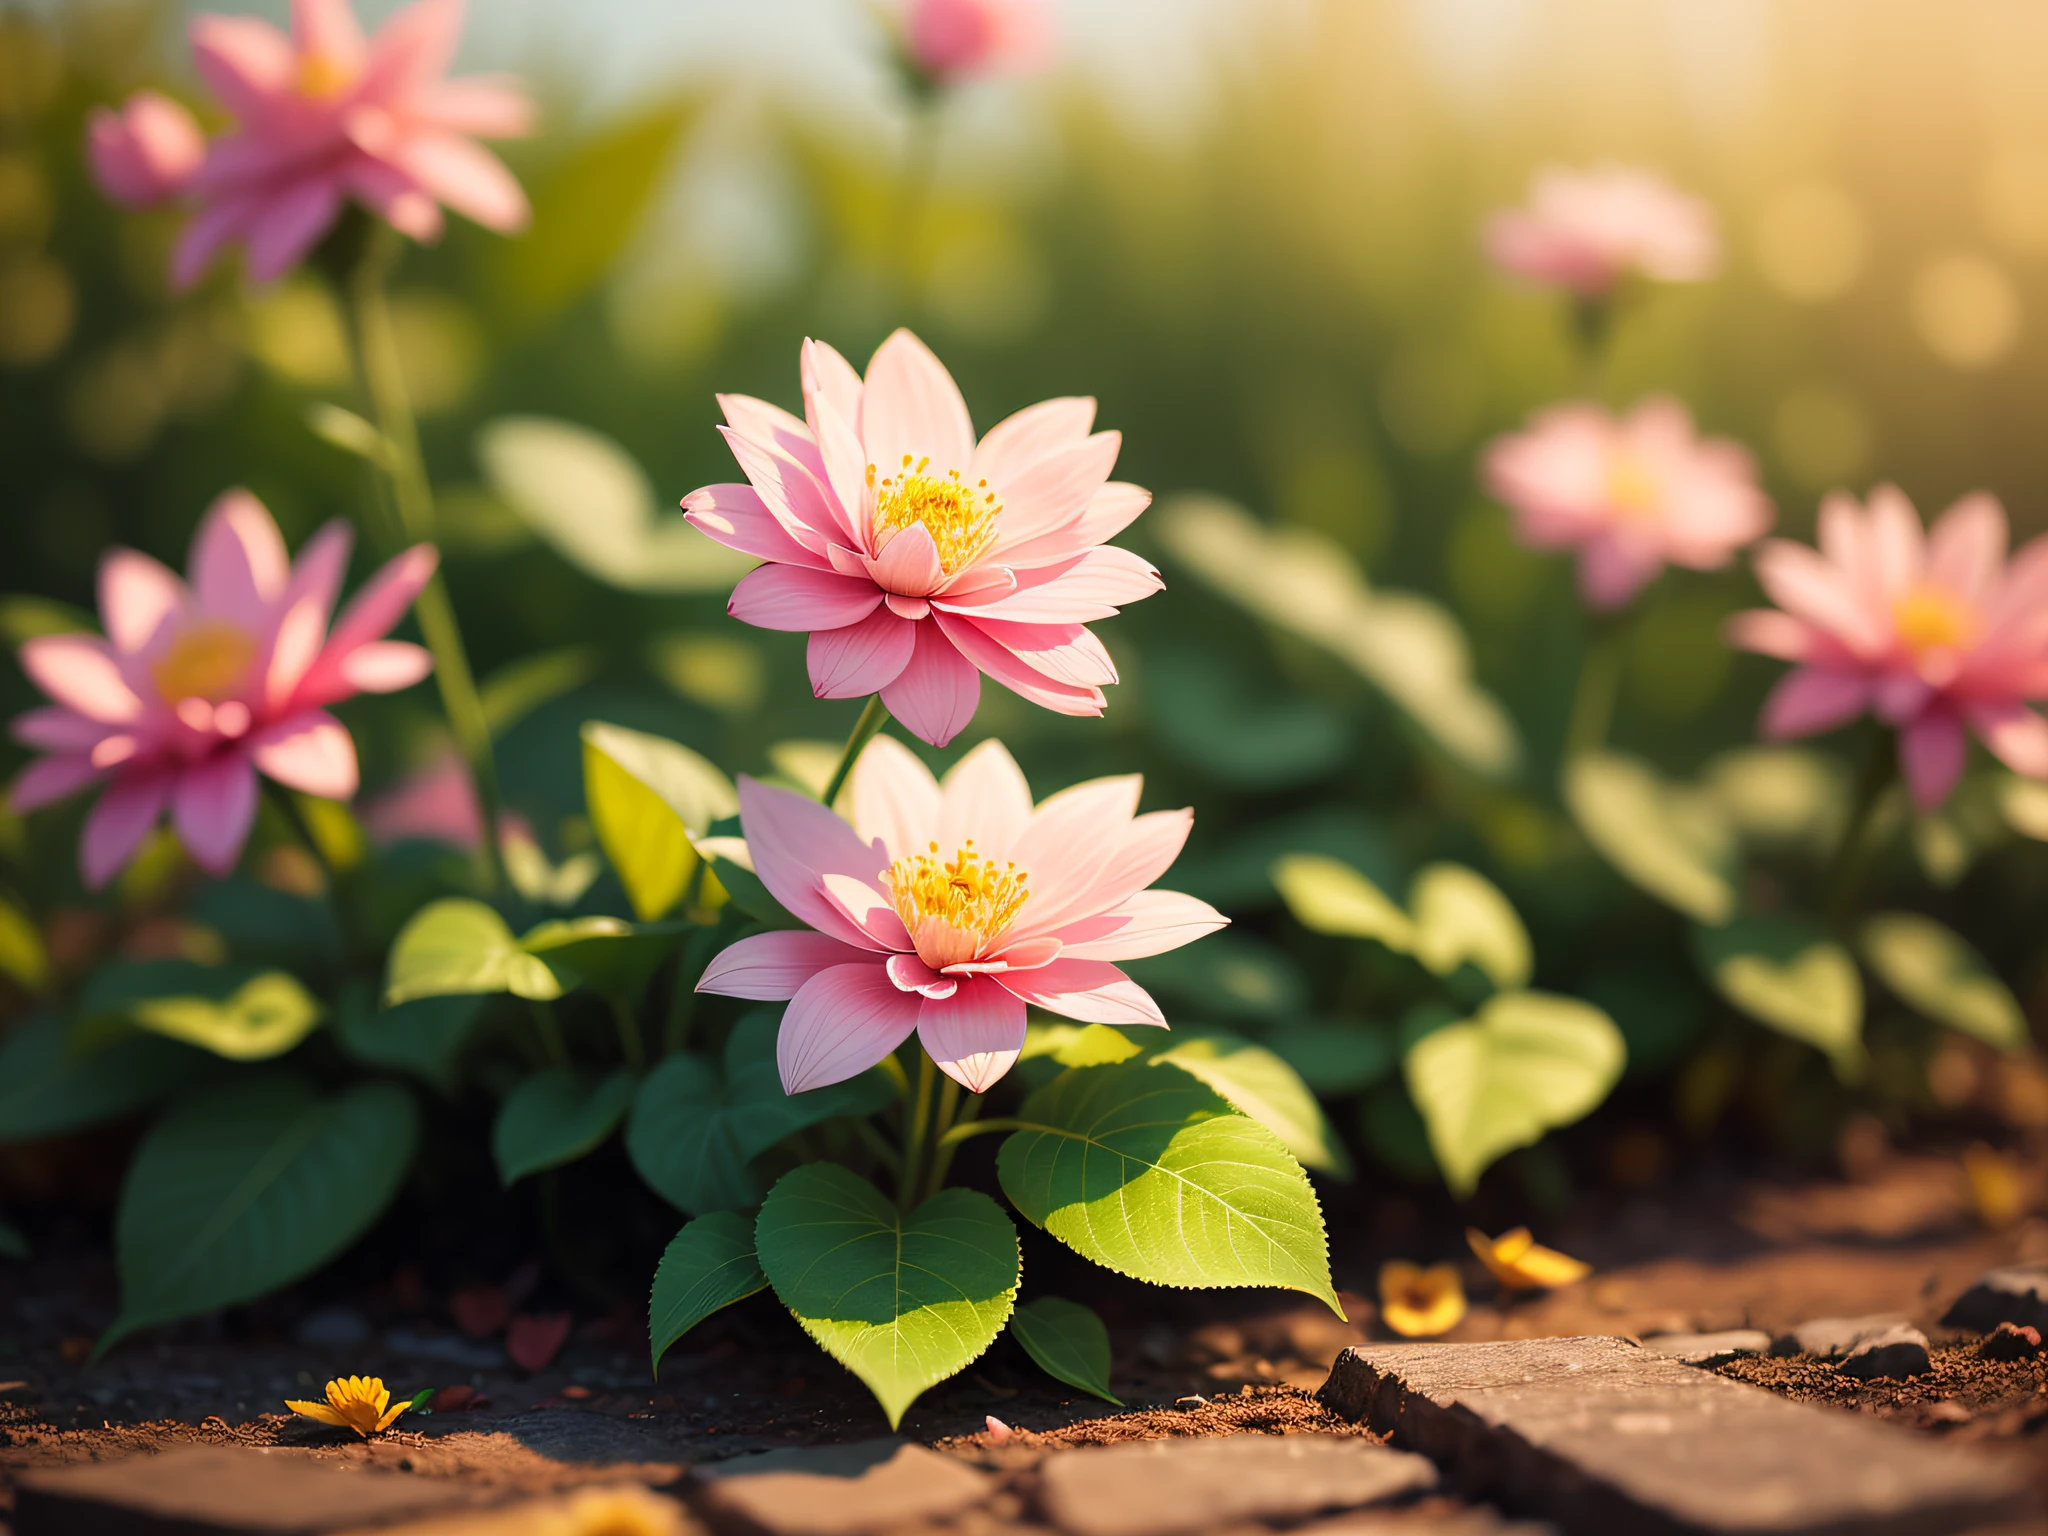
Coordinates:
<point>325,115</point>
<point>435,804</point>
<point>947,909</point>
<point>917,559</point>
<point>1933,633</point>
<point>148,151</point>
<point>196,689</point>
<point>1584,230</point>
<point>1632,495</point>
<point>952,40</point>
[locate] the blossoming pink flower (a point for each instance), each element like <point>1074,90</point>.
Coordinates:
<point>1632,494</point>
<point>1584,230</point>
<point>917,559</point>
<point>1936,634</point>
<point>148,151</point>
<point>196,689</point>
<point>325,115</point>
<point>434,804</point>
<point>946,910</point>
<point>954,40</point>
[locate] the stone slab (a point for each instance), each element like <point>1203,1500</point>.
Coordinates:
<point>1832,1338</point>
<point>2016,1293</point>
<point>1600,1435</point>
<point>1168,1487</point>
<point>1708,1349</point>
<point>216,1491</point>
<point>1897,1352</point>
<point>836,1490</point>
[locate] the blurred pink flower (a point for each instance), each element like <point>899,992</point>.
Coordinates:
<point>325,115</point>
<point>147,152</point>
<point>947,909</point>
<point>1585,230</point>
<point>196,689</point>
<point>435,804</point>
<point>952,40</point>
<point>918,560</point>
<point>1631,494</point>
<point>1936,634</point>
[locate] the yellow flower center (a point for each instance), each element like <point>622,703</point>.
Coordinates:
<point>322,76</point>
<point>961,518</point>
<point>206,661</point>
<point>1632,489</point>
<point>1929,619</point>
<point>957,909</point>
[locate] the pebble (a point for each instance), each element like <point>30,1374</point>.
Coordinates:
<point>1898,1352</point>
<point>1833,1337</point>
<point>2010,1341</point>
<point>2015,1293</point>
<point>1708,1349</point>
<point>333,1328</point>
<point>838,1490</point>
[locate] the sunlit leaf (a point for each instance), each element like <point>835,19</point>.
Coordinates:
<point>2024,803</point>
<point>1068,1342</point>
<point>1787,974</point>
<point>708,1265</point>
<point>458,945</point>
<point>556,1116</point>
<point>1460,915</point>
<point>648,798</point>
<point>1261,1084</point>
<point>24,616</point>
<point>613,958</point>
<point>1077,1045</point>
<point>345,430</point>
<point>264,1017</point>
<point>1331,897</point>
<point>1780,794</point>
<point>1675,845</point>
<point>1940,975</point>
<point>22,955</point>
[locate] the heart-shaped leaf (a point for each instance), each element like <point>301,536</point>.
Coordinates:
<point>1260,1084</point>
<point>1938,973</point>
<point>457,945</point>
<point>50,1084</point>
<point>1675,845</point>
<point>1332,897</point>
<point>556,1116</point>
<point>1525,1064</point>
<point>1149,1172</point>
<point>708,1265</point>
<point>1077,1045</point>
<point>264,1017</point>
<point>1460,915</point>
<point>1789,975</point>
<point>647,798</point>
<point>1068,1341</point>
<point>425,1037</point>
<point>1780,795</point>
<point>901,1301</point>
<point>246,1187</point>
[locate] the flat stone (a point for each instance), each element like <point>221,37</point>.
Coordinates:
<point>837,1490</point>
<point>1897,1352</point>
<point>1164,1487</point>
<point>1831,1338</point>
<point>1601,1435</point>
<point>1708,1349</point>
<point>249,1492</point>
<point>2017,1293</point>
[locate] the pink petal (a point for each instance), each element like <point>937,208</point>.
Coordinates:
<point>864,904</point>
<point>247,63</point>
<point>795,843</point>
<point>82,673</point>
<point>999,662</point>
<point>1146,851</point>
<point>213,807</point>
<point>47,780</point>
<point>1068,654</point>
<point>327,29</point>
<point>2017,737</point>
<point>1149,923</point>
<point>389,191</point>
<point>909,563</point>
<point>467,177</point>
<point>1896,546</point>
<point>1810,699</point>
<point>119,823</point>
<point>384,598</point>
<point>321,567</point>
<point>846,464</point>
<point>294,649</point>
<point>975,1035</point>
<point>147,152</point>
<point>385,666</point>
<point>791,492</point>
<point>1095,587</point>
<point>829,377</point>
<point>211,228</point>
<point>1054,490</point>
<point>482,106</point>
<point>1112,509</point>
<point>1613,570</point>
<point>841,1022</point>
<point>858,659</point>
<point>894,797</point>
<point>1966,548</point>
<point>414,48</point>
<point>1769,632</point>
<point>911,409</point>
<point>239,563</point>
<point>310,751</point>
<point>936,695</point>
<point>284,227</point>
<point>1799,581</point>
<point>1016,442</point>
<point>737,517</point>
<point>774,429</point>
<point>771,967</point>
<point>1072,838</point>
<point>984,798</point>
<point>56,729</point>
<point>1089,991</point>
<point>910,974</point>
<point>1931,753</point>
<point>794,597</point>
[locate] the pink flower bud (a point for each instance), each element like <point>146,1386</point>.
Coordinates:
<point>957,39</point>
<point>147,152</point>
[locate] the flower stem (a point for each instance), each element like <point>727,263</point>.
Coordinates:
<point>1852,855</point>
<point>412,499</point>
<point>630,1044</point>
<point>1599,681</point>
<point>952,1115</point>
<point>919,1112</point>
<point>871,720</point>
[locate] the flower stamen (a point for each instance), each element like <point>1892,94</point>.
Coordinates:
<point>957,909</point>
<point>961,518</point>
<point>1929,619</point>
<point>208,660</point>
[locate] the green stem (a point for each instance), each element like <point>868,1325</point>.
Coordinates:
<point>918,1113</point>
<point>383,380</point>
<point>967,1128</point>
<point>874,1141</point>
<point>871,720</point>
<point>952,1114</point>
<point>630,1044</point>
<point>1599,681</point>
<point>914,189</point>
<point>1852,855</point>
<point>550,1034</point>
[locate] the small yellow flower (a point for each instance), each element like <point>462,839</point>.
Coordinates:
<point>1420,1303</point>
<point>1998,1192</point>
<point>626,1510</point>
<point>1519,1264</point>
<point>360,1403</point>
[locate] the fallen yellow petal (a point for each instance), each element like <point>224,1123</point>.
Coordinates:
<point>1519,1263</point>
<point>1998,1192</point>
<point>320,1411</point>
<point>1420,1303</point>
<point>354,1402</point>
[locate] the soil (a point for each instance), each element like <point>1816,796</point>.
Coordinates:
<point>1963,1396</point>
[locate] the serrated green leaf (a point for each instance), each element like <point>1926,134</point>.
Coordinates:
<point>425,1037</point>
<point>1786,973</point>
<point>1259,1083</point>
<point>49,1084</point>
<point>648,798</point>
<point>249,1186</point>
<point>264,1017</point>
<point>1068,1342</point>
<point>1460,915</point>
<point>1936,971</point>
<point>1525,1064</point>
<point>1675,845</point>
<point>1332,897</point>
<point>1151,1173</point>
<point>902,1302</point>
<point>556,1116</point>
<point>708,1265</point>
<point>22,954</point>
<point>457,945</point>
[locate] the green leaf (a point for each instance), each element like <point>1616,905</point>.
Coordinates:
<point>1525,1064</point>
<point>520,687</point>
<point>1334,1058</point>
<point>425,1037</point>
<point>1332,897</point>
<point>1787,974</point>
<point>613,958</point>
<point>12,1244</point>
<point>1228,722</point>
<point>556,1116</point>
<point>264,1017</point>
<point>267,927</point>
<point>1460,915</point>
<point>733,865</point>
<point>1069,1343</point>
<point>1939,974</point>
<point>695,1131</point>
<point>1675,845</point>
<point>457,945</point>
<point>345,430</point>
<point>708,1265</point>
<point>648,798</point>
<point>902,1302</point>
<point>1261,1084</point>
<point>2024,804</point>
<point>1077,1045</point>
<point>49,1085</point>
<point>1394,1131</point>
<point>1226,976</point>
<point>22,955</point>
<point>1780,795</point>
<point>24,616</point>
<point>1152,1174</point>
<point>250,1186</point>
